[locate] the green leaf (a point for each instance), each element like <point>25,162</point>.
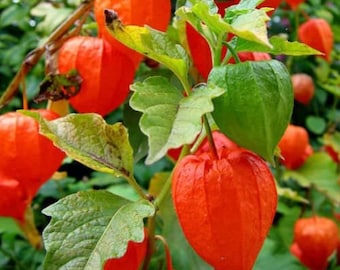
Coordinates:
<point>257,104</point>
<point>89,140</point>
<point>89,227</point>
<point>151,43</point>
<point>279,46</point>
<point>301,179</point>
<point>169,119</point>
<point>333,140</point>
<point>275,251</point>
<point>243,7</point>
<point>290,194</point>
<point>316,124</point>
<point>8,225</point>
<point>283,230</point>
<point>270,260</point>
<point>319,170</point>
<point>53,16</point>
<point>209,3</point>
<point>250,26</point>
<point>138,140</point>
<point>10,15</point>
<point>333,89</point>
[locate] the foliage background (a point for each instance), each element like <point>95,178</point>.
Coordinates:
<point>24,25</point>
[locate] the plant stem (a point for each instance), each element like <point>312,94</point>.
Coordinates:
<point>33,57</point>
<point>167,186</point>
<point>233,53</point>
<point>133,183</point>
<point>296,24</point>
<point>278,169</point>
<point>30,230</point>
<point>158,202</point>
<point>185,84</point>
<point>167,251</point>
<point>217,52</point>
<point>24,95</point>
<point>290,59</point>
<point>151,241</point>
<point>210,137</point>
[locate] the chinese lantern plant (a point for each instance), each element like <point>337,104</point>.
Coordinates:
<point>199,47</point>
<point>259,97</point>
<point>263,101</point>
<point>295,147</point>
<point>106,73</point>
<point>28,160</point>
<point>318,34</point>
<point>151,12</point>
<point>315,240</point>
<point>216,198</point>
<point>303,87</point>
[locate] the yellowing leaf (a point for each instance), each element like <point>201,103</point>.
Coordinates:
<point>89,140</point>
<point>151,43</point>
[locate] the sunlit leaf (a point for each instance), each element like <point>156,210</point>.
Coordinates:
<point>333,89</point>
<point>250,26</point>
<point>291,195</point>
<point>151,43</point>
<point>52,16</point>
<point>169,119</point>
<point>279,46</point>
<point>319,170</point>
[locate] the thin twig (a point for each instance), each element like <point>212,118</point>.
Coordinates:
<point>33,57</point>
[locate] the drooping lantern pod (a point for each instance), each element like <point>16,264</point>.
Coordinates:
<point>303,87</point>
<point>28,160</point>
<point>294,147</point>
<point>317,34</point>
<point>315,239</point>
<point>225,205</point>
<point>154,13</point>
<point>106,73</point>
